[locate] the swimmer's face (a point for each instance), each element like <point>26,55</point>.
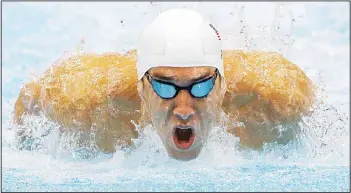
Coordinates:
<point>182,120</point>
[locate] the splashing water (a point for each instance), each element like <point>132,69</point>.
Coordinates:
<point>319,156</point>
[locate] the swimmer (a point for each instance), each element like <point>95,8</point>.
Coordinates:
<point>180,81</point>
<point>181,85</point>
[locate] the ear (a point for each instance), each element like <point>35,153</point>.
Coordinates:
<point>140,88</point>
<point>222,94</point>
<point>145,115</point>
<point>223,90</point>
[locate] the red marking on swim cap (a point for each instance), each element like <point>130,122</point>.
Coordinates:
<point>217,33</point>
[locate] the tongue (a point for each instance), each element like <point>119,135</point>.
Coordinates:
<point>183,144</point>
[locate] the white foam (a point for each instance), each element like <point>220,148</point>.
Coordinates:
<point>308,44</point>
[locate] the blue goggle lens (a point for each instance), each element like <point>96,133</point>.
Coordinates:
<point>202,89</point>
<point>164,90</point>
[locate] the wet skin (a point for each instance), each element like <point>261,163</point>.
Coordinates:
<point>105,96</point>
<point>170,117</point>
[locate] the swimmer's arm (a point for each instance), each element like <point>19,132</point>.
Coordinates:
<point>252,119</point>
<point>27,101</point>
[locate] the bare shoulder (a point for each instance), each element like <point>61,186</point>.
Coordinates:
<point>88,91</point>
<point>271,77</point>
<point>264,90</point>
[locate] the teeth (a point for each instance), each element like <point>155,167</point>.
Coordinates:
<point>184,128</point>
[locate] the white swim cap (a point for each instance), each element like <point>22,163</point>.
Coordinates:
<point>179,38</point>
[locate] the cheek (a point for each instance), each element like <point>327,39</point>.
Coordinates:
<point>159,110</point>
<point>209,106</point>
<point>208,110</point>
<point>207,114</point>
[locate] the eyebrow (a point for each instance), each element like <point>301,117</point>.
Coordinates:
<point>171,79</point>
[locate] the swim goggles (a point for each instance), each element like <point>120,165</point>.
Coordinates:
<point>167,90</point>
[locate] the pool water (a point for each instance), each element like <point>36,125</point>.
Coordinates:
<point>251,177</point>
<point>313,35</point>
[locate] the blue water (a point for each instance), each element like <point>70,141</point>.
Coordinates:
<point>36,34</point>
<point>252,177</point>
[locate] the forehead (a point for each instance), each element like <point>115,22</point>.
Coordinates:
<point>185,73</point>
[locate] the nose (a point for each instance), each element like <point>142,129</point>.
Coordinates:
<point>184,108</point>
<point>183,112</point>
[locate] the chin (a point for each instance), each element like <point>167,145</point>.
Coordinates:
<point>184,155</point>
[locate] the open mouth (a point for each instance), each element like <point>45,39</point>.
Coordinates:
<point>183,137</point>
